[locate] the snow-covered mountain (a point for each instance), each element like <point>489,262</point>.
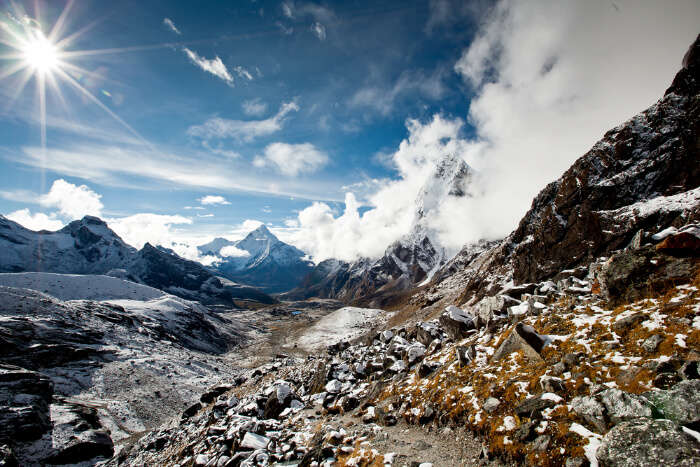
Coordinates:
<point>406,263</point>
<point>260,259</point>
<point>86,246</point>
<point>89,246</point>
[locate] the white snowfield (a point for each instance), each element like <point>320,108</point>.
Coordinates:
<point>80,287</point>
<point>342,325</point>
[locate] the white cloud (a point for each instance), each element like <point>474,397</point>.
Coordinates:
<point>72,201</point>
<point>319,30</point>
<point>254,107</point>
<point>350,235</point>
<point>233,252</point>
<point>549,79</point>
<point>243,73</point>
<point>213,200</point>
<point>214,66</point>
<point>241,129</point>
<point>36,221</point>
<point>156,229</point>
<point>170,25</point>
<point>292,159</point>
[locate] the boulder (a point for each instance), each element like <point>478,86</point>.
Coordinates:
<point>456,322</point>
<point>77,435</point>
<point>634,274</point>
<point>685,242</point>
<point>522,337</point>
<point>680,404</point>
<point>610,407</point>
<point>648,442</point>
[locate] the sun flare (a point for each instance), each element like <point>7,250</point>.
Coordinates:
<point>40,53</point>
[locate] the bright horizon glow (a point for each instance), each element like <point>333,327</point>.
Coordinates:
<point>41,54</point>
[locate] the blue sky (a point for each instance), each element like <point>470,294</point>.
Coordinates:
<point>177,121</point>
<point>353,72</point>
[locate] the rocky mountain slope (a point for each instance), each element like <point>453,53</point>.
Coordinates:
<point>76,375</point>
<point>406,263</point>
<point>89,246</point>
<point>261,260</point>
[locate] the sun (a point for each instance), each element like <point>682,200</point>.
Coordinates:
<point>40,53</point>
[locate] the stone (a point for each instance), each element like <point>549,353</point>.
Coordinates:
<point>525,432</point>
<point>634,274</point>
<point>541,443</point>
<point>680,404</point>
<point>665,380</point>
<point>77,435</point>
<point>552,384</point>
<point>522,337</point>
<point>651,343</point>
<point>415,352</point>
<point>623,325</point>
<point>456,322</point>
<point>610,407</point>
<point>213,393</point>
<point>681,244</point>
<point>491,404</point>
<point>577,462</point>
<point>333,386</point>
<point>533,406</point>
<point>648,442</point>
<point>427,415</point>
<point>465,355</point>
<point>254,441</point>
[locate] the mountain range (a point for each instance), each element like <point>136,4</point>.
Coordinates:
<point>89,246</point>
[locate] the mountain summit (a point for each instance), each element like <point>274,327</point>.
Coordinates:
<point>260,259</point>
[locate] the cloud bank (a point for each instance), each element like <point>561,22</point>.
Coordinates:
<point>548,78</point>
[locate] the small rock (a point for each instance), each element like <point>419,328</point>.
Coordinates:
<point>491,404</point>
<point>651,343</point>
<point>254,441</point>
<point>465,355</point>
